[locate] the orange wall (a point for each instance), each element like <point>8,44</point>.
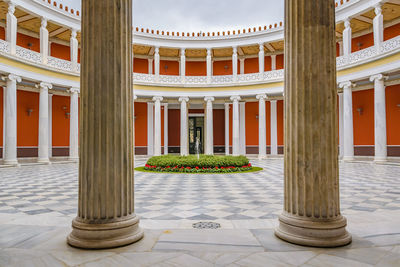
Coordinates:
<point>362,42</point>
<point>60,51</point>
<point>364,123</point>
<point>250,65</point>
<point>174,129</point>
<point>219,127</point>
<point>279,62</point>
<point>2,33</point>
<point>141,124</point>
<point>393,115</point>
<point>267,64</point>
<point>27,126</point>
<point>1,116</point>
<point>173,67</point>
<point>219,67</point>
<point>140,65</point>
<point>391,32</point>
<point>23,40</point>
<point>251,124</point>
<point>196,68</point>
<point>280,122</point>
<point>60,121</point>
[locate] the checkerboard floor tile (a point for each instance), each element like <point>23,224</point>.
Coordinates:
<point>33,190</point>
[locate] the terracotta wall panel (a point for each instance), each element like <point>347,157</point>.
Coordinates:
<point>60,120</point>
<point>141,65</point>
<point>393,115</point>
<point>364,122</point>
<point>27,125</point>
<point>196,68</point>
<point>140,124</point>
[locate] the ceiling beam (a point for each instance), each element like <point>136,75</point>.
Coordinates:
<point>151,51</point>
<point>364,19</point>
<point>396,2</point>
<point>270,47</point>
<point>240,51</point>
<point>25,18</point>
<point>338,34</point>
<point>57,32</point>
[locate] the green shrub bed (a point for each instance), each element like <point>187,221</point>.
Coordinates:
<point>205,164</point>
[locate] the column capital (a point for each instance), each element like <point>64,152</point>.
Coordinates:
<point>227,104</point>
<point>134,97</point>
<point>209,98</point>
<point>377,77</point>
<point>261,47</point>
<point>209,51</point>
<point>74,90</point>
<point>273,100</point>
<point>183,99</point>
<point>234,50</point>
<point>12,77</point>
<point>235,98</point>
<point>11,7</point>
<point>158,98</point>
<point>73,33</point>
<point>273,56</point>
<point>43,22</point>
<point>261,96</point>
<point>45,86</point>
<point>156,49</point>
<point>378,9</point>
<point>183,51</point>
<point>164,104</point>
<point>347,23</point>
<point>346,85</point>
<point>150,59</point>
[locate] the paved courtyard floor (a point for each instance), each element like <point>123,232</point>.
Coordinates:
<point>38,202</point>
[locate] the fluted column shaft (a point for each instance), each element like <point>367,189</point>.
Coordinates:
<point>311,204</point>
<point>235,126</point>
<point>341,124</point>
<point>184,126</point>
<point>262,134</point>
<point>50,137</point>
<point>273,62</point>
<point>380,117</point>
<point>43,150</point>
<point>74,125</point>
<point>348,141</point>
<point>227,128</point>
<point>157,125</point>
<point>209,126</point>
<point>106,188</point>
<point>10,120</point>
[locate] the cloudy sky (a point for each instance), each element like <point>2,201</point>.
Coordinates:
<point>202,15</point>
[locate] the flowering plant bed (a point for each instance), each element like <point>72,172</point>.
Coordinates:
<point>203,164</point>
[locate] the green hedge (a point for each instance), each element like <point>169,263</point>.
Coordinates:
<point>205,163</point>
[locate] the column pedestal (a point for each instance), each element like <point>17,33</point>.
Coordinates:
<point>106,215</point>
<point>311,213</point>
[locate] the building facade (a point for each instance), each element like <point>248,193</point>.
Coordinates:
<point>206,92</point>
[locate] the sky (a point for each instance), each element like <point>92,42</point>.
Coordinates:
<point>202,15</point>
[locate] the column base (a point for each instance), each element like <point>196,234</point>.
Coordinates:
<point>318,233</point>
<point>348,158</point>
<point>105,235</point>
<point>262,157</point>
<point>380,159</point>
<point>11,163</point>
<point>73,159</point>
<point>44,161</point>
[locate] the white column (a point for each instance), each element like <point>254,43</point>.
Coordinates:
<point>50,125</point>
<point>235,126</point>
<point>226,128</point>
<point>74,49</point>
<point>341,125</point>
<point>43,153</point>
<point>241,60</point>
<point>157,125</point>
<point>378,26</point>
<point>242,126</point>
<point>50,47</point>
<point>348,142</point>
<point>44,40</point>
<point>10,120</point>
<point>74,125</point>
<point>11,28</point>
<point>209,149</point>
<point>262,135</point>
<point>380,117</point>
<point>134,122</point>
<point>150,65</point>
<point>234,63</point>
<point>261,58</point>
<point>166,129</point>
<point>184,126</point>
<point>340,48</point>
<point>183,65</point>
<point>157,63</point>
<point>273,62</point>
<point>209,65</point>
<point>347,35</point>
<point>274,128</point>
<point>150,125</point>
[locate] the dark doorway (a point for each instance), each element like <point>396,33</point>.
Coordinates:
<point>196,129</point>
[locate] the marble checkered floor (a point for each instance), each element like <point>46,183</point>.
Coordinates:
<point>52,189</point>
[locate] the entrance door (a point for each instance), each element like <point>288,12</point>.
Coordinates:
<point>196,126</point>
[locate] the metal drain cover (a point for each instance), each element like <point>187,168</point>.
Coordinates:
<point>206,225</point>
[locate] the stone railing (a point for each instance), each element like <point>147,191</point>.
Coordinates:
<point>368,54</point>
<point>357,58</point>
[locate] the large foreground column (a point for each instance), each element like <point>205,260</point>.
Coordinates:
<point>311,211</point>
<point>106,203</point>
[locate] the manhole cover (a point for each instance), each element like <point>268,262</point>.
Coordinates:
<point>206,225</point>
